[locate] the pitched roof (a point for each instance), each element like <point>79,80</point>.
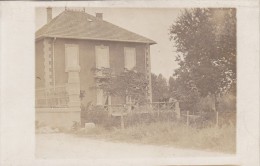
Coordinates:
<point>80,25</point>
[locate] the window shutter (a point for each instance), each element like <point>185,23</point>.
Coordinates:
<point>72,56</point>
<point>130,58</point>
<point>102,57</point>
<point>105,57</point>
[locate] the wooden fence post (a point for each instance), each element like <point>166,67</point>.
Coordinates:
<point>217,118</point>
<point>158,113</point>
<point>187,118</point>
<point>122,122</point>
<point>177,110</point>
<point>46,98</point>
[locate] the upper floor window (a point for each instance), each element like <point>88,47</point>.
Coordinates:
<point>71,56</point>
<point>130,58</point>
<point>102,57</point>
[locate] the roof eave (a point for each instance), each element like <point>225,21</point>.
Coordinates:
<point>151,42</point>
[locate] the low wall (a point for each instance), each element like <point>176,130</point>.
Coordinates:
<point>57,117</point>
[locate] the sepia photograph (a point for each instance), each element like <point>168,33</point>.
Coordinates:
<point>135,82</point>
<point>138,83</point>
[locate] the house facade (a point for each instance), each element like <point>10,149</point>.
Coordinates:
<point>70,50</point>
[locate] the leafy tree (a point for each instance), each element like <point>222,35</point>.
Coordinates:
<point>172,86</point>
<point>128,83</point>
<point>159,88</point>
<point>206,42</point>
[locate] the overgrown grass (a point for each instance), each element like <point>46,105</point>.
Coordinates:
<point>165,129</point>
<point>220,139</point>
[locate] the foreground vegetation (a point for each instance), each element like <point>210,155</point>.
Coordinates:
<point>165,129</point>
<point>220,139</point>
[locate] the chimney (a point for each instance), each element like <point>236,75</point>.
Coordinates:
<point>49,14</point>
<point>99,15</point>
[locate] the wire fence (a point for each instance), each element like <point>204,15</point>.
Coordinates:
<point>206,119</point>
<point>154,107</point>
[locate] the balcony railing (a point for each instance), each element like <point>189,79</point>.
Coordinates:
<point>103,73</point>
<point>53,97</point>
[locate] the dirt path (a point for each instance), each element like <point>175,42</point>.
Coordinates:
<point>73,147</point>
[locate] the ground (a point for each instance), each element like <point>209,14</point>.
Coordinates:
<point>60,145</point>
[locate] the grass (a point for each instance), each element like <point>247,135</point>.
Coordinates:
<point>220,139</point>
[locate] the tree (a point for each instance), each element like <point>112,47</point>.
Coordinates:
<point>159,88</point>
<point>172,86</point>
<point>128,83</point>
<point>206,44</point>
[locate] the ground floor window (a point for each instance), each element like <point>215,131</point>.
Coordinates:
<point>103,99</point>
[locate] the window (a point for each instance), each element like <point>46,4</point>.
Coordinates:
<point>103,99</point>
<point>130,58</point>
<point>71,56</point>
<point>102,57</point>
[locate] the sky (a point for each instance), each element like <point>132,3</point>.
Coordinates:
<point>153,23</point>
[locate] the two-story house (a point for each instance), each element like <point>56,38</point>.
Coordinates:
<point>68,47</point>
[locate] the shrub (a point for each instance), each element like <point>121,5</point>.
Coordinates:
<point>75,126</point>
<point>99,116</point>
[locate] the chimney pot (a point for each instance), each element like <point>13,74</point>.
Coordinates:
<point>49,14</point>
<point>99,15</point>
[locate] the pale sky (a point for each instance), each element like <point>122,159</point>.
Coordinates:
<point>152,23</point>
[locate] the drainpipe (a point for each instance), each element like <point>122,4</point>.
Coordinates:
<point>53,62</point>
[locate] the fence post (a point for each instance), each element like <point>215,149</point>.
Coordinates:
<point>217,119</point>
<point>187,118</point>
<point>158,110</point>
<point>46,98</point>
<point>177,110</point>
<point>122,122</point>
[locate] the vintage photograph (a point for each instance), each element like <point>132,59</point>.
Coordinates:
<point>135,82</point>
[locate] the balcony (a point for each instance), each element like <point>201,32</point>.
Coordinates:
<point>103,73</point>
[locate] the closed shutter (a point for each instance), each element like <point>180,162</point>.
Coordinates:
<point>72,53</point>
<point>102,57</point>
<point>130,58</point>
